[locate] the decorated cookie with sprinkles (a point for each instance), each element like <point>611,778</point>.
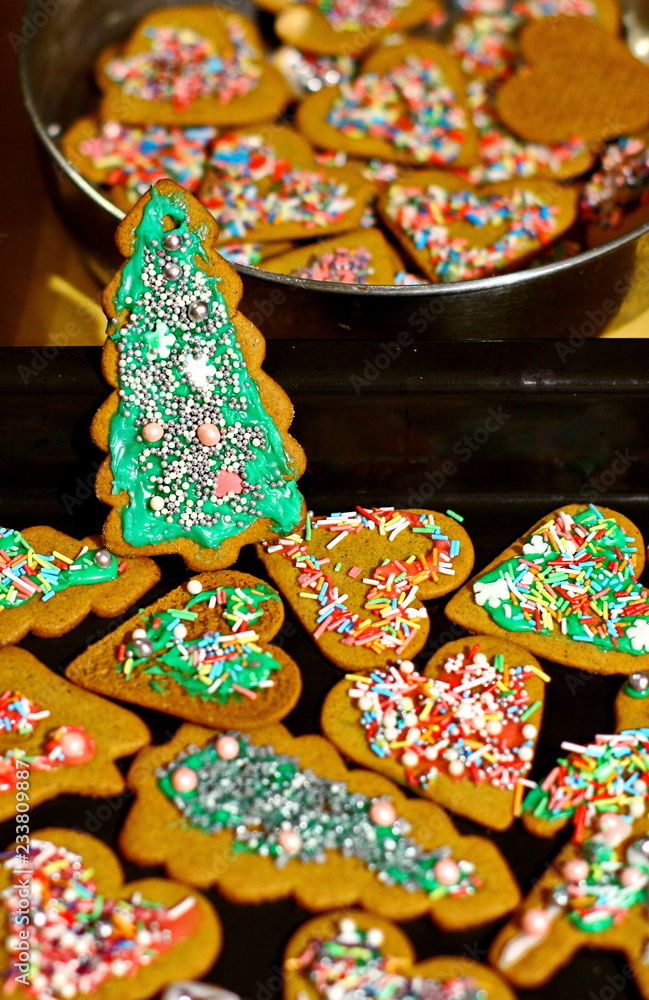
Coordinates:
<point>194,65</point>
<point>554,97</point>
<point>73,928</point>
<point>50,582</point>
<point>199,456</point>
<point>353,955</point>
<point>128,159</point>
<point>345,27</point>
<point>59,739</point>
<point>567,590</point>
<point>455,231</point>
<point>201,653</point>
<point>306,72</point>
<point>263,184</point>
<point>408,105</point>
<point>362,257</point>
<point>265,816</point>
<point>357,579</point>
<point>461,732</point>
<point>595,893</point>
<point>615,198</point>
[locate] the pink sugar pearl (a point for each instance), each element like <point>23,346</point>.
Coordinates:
<point>152,432</point>
<point>613,828</point>
<point>208,434</point>
<point>290,841</point>
<point>184,779</point>
<point>382,813</point>
<point>77,747</point>
<point>446,871</point>
<point>631,877</point>
<point>575,870</point>
<point>227,747</point>
<point>536,922</point>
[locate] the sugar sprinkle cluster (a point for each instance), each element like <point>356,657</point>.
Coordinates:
<point>412,107</point>
<point>352,15</point>
<point>351,266</point>
<point>387,621</point>
<point>78,939</point>
<point>621,180</point>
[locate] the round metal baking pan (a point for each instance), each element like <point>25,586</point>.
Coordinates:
<point>576,298</point>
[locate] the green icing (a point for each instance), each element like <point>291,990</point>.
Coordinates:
<point>260,794</point>
<point>213,666</point>
<point>25,574</point>
<point>181,372</point>
<point>574,576</point>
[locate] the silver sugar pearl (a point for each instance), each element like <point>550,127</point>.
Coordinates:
<point>639,681</point>
<point>198,310</point>
<point>172,241</point>
<point>560,896</point>
<point>172,271</point>
<point>103,557</point>
<point>143,647</point>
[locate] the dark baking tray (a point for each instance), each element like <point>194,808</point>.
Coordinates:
<point>500,432</point>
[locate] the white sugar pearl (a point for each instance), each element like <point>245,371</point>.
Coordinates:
<point>374,937</point>
<point>480,660</point>
<point>194,587</point>
<point>413,734</point>
<point>494,727</point>
<point>366,703</point>
<point>411,719</point>
<point>407,667</point>
<point>180,631</point>
<point>430,753</point>
<point>390,718</point>
<point>637,808</point>
<point>390,733</point>
<point>526,753</point>
<point>139,633</point>
<point>456,768</point>
<point>409,759</point>
<point>156,503</point>
<point>529,731</point>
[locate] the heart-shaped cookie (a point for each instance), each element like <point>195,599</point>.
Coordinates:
<point>594,894</point>
<point>567,590</point>
<point>408,105</point>
<point>553,97</point>
<point>455,232</point>
<point>193,65</point>
<point>65,740</point>
<point>89,934</point>
<point>356,580</point>
<point>50,582</point>
<point>200,653</point>
<point>344,27</point>
<point>264,184</point>
<point>332,956</point>
<point>128,159</point>
<point>362,257</point>
<point>462,732</point>
<point>266,816</point>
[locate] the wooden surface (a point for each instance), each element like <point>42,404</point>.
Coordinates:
<point>48,296</point>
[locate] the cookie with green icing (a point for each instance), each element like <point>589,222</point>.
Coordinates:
<point>461,732</point>
<point>567,590</point>
<point>200,460</point>
<point>353,955</point>
<point>50,582</point>
<point>595,893</point>
<point>265,816</point>
<point>201,653</point>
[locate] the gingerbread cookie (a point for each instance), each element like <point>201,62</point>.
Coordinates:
<point>194,65</point>
<point>344,27</point>
<point>264,184</point>
<point>615,199</point>
<point>50,582</point>
<point>264,816</point>
<point>356,580</point>
<point>462,732</point>
<point>454,231</point>
<point>64,740</point>
<point>73,928</point>
<point>345,954</point>
<point>537,592</point>
<point>200,653</point>
<point>553,97</point>
<point>200,461</point>
<point>362,257</point>
<point>252,254</point>
<point>128,159</point>
<point>502,156</point>
<point>595,893</point>
<point>408,105</point>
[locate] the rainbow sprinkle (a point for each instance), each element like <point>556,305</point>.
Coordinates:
<point>352,15</point>
<point>621,181</point>
<point>351,267</point>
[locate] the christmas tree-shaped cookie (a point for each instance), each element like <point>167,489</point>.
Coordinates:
<point>567,590</point>
<point>200,461</point>
<point>595,893</point>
